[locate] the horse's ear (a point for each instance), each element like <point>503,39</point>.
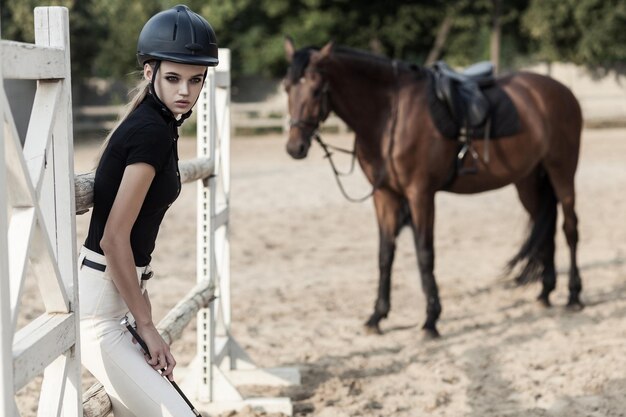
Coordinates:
<point>327,49</point>
<point>289,48</point>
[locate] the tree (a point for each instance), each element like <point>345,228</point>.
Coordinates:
<point>254,30</point>
<point>460,30</point>
<point>589,32</point>
<point>118,46</point>
<point>104,32</point>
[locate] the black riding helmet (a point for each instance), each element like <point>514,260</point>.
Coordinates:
<point>178,35</point>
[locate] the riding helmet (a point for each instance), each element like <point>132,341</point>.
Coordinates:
<point>178,35</point>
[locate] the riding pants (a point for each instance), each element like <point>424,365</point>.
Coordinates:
<point>107,351</point>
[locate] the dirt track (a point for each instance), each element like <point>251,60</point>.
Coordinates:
<point>304,271</point>
<point>304,265</point>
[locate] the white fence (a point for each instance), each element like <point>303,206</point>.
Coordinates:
<point>601,92</point>
<point>42,195</point>
<point>246,118</point>
<point>251,118</point>
<point>37,224</point>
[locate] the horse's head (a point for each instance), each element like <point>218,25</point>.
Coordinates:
<point>307,88</point>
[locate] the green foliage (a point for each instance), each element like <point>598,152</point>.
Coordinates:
<point>104,32</point>
<point>590,32</point>
<point>118,48</point>
<point>255,30</point>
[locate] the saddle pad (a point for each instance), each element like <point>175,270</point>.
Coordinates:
<point>502,112</point>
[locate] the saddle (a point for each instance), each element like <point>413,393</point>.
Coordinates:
<point>462,91</point>
<point>470,105</point>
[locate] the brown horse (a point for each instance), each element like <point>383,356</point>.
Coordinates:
<point>407,160</point>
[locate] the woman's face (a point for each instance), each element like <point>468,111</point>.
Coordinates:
<point>177,85</point>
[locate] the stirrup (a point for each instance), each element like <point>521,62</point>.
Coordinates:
<point>473,168</point>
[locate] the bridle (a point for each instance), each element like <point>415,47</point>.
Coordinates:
<point>314,123</point>
<point>322,115</point>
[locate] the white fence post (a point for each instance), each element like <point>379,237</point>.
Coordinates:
<point>7,402</point>
<point>213,141</point>
<point>37,198</point>
<point>221,363</point>
<point>52,30</point>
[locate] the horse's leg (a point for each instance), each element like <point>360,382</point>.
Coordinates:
<point>537,196</point>
<point>564,187</point>
<point>391,214</point>
<point>422,207</point>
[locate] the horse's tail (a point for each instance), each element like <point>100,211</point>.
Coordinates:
<point>540,242</point>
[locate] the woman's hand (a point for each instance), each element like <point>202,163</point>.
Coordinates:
<point>159,357</point>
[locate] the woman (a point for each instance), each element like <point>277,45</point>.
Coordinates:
<point>136,181</point>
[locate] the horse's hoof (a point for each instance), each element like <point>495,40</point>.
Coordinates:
<point>574,305</point>
<point>430,334</point>
<point>372,329</point>
<point>544,302</point>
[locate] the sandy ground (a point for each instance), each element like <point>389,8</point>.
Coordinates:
<point>304,272</point>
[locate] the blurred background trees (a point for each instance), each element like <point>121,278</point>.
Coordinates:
<point>589,32</point>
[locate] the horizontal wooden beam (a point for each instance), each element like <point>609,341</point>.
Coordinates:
<point>173,324</point>
<point>190,171</point>
<point>96,402</point>
<point>196,169</point>
<point>91,111</point>
<point>27,61</point>
<point>39,343</point>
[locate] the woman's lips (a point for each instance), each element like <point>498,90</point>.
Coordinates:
<point>182,103</point>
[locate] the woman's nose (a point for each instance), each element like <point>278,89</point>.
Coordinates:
<point>184,89</point>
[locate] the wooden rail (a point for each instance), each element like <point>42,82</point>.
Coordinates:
<point>190,171</point>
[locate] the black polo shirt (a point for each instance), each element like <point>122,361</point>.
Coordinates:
<point>149,135</point>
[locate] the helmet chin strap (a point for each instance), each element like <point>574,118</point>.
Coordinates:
<point>155,69</point>
<point>164,108</point>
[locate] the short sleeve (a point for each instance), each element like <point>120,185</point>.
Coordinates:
<point>150,144</point>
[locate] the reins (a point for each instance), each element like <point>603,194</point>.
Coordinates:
<point>337,174</point>
<point>328,154</point>
<point>324,110</point>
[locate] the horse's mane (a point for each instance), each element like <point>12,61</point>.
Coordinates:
<point>375,61</point>
<point>362,54</point>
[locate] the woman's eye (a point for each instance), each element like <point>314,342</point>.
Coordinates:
<point>171,78</point>
<point>196,80</point>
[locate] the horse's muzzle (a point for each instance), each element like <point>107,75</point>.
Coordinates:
<point>297,146</point>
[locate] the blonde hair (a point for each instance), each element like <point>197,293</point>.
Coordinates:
<point>140,91</point>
